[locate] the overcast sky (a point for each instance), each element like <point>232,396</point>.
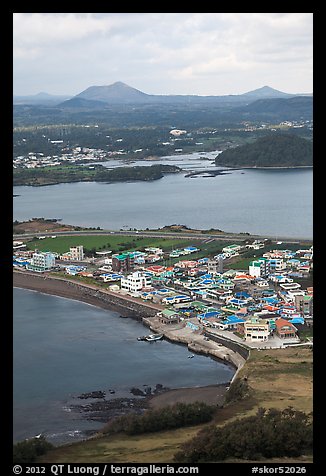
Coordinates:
<point>163,53</point>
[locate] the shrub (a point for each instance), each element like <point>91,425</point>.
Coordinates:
<point>238,390</point>
<point>27,451</point>
<point>175,416</point>
<point>268,434</point>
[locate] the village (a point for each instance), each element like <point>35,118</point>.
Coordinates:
<point>56,151</point>
<point>260,307</point>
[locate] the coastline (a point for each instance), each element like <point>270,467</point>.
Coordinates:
<point>130,307</point>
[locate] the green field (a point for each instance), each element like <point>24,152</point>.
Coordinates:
<point>61,244</point>
<point>115,243</point>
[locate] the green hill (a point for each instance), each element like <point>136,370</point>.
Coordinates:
<point>275,150</point>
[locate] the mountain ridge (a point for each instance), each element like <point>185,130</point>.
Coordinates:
<point>121,93</point>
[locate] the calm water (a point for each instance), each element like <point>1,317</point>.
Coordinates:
<point>277,203</point>
<point>63,348</point>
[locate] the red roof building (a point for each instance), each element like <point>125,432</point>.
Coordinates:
<point>284,329</point>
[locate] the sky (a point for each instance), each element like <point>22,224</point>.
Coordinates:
<point>163,53</point>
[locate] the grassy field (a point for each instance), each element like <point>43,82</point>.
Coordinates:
<point>278,378</point>
<point>62,244</point>
<point>281,377</point>
<point>115,243</point>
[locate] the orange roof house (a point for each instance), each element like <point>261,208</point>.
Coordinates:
<point>284,329</point>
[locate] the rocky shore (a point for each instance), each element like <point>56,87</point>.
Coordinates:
<point>102,410</point>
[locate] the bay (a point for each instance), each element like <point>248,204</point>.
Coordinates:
<point>63,348</point>
<point>275,203</point>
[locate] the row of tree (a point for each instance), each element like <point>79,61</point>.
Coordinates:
<point>167,418</point>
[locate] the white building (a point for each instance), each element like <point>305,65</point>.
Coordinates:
<point>77,253</point>
<point>256,245</point>
<point>256,330</point>
<point>231,249</point>
<point>135,282</point>
<point>259,268</point>
<point>177,132</point>
<point>41,261</point>
<point>277,265</point>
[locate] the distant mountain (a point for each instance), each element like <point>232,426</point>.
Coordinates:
<point>121,93</point>
<point>41,98</point>
<point>267,92</point>
<point>115,93</point>
<point>274,150</point>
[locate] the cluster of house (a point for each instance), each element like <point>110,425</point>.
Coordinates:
<point>78,154</point>
<point>42,261</point>
<point>283,125</point>
<point>257,303</point>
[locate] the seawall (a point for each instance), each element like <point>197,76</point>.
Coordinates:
<point>126,306</point>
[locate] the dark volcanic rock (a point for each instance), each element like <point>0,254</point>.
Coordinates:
<point>107,409</point>
<point>96,394</point>
<point>137,392</point>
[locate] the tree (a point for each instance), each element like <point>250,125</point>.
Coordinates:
<point>268,434</point>
<point>27,451</point>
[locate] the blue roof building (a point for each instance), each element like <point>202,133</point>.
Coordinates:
<point>231,321</point>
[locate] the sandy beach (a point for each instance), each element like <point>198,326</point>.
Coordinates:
<point>212,395</point>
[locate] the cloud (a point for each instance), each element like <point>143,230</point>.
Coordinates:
<point>168,53</point>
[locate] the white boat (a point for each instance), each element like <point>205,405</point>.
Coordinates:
<point>153,337</point>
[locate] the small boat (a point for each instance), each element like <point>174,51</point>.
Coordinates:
<point>191,356</point>
<point>153,337</point>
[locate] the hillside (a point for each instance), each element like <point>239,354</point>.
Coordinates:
<point>275,150</point>
<point>290,108</point>
<point>79,102</point>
